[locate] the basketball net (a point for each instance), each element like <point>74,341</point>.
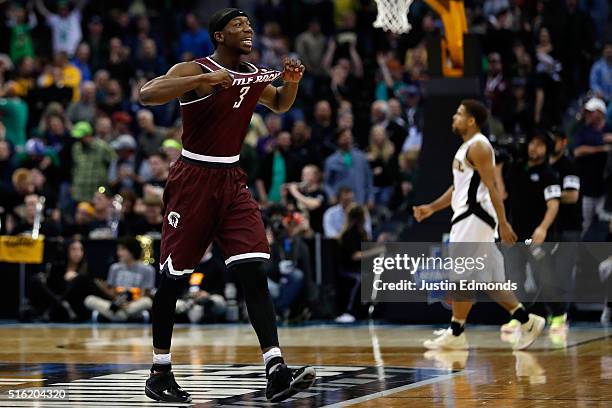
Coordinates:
<point>393,15</point>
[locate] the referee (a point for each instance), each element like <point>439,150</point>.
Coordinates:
<point>534,196</point>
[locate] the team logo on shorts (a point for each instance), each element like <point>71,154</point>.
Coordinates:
<point>173,218</point>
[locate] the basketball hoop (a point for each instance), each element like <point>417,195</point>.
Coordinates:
<point>393,15</point>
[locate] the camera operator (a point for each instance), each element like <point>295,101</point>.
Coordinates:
<point>203,299</point>
<point>534,194</point>
<point>289,269</point>
<point>128,286</point>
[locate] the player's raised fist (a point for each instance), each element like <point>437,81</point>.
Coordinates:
<point>219,77</point>
<point>293,70</point>
<point>421,212</point>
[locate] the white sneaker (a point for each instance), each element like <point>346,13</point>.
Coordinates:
<point>530,331</point>
<point>511,327</point>
<point>345,318</point>
<point>446,341</point>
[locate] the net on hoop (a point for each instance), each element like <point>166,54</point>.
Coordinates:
<point>393,15</point>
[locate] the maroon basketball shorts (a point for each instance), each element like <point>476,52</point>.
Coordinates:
<point>205,201</point>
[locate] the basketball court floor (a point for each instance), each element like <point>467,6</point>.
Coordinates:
<point>362,366</point>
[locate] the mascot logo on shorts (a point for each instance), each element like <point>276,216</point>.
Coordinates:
<point>173,218</point>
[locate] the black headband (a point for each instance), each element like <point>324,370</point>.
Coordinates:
<point>220,20</point>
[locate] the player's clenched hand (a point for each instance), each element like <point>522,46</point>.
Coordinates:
<point>293,70</point>
<point>422,211</point>
<point>506,233</point>
<point>219,77</point>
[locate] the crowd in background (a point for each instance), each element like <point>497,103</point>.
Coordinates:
<point>342,162</point>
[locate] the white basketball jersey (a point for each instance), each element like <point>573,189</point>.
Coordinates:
<point>467,186</point>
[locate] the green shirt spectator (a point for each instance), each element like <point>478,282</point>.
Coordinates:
<point>14,116</point>
<point>91,158</point>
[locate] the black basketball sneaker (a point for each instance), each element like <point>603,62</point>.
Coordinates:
<point>163,387</point>
<point>285,382</point>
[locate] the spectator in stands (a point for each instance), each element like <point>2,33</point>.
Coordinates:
<point>172,150</point>
<point>153,219</point>
<point>379,115</point>
<point>113,102</point>
<point>323,130</point>
<point>63,74</point>
<point>13,196</point>
<point>84,110</point>
<point>123,171</point>
<point>309,197</point>
<point>353,234</point>
<point>203,299</point>
<point>381,156</point>
<point>83,217</point>
<point>119,65</point>
<point>310,46</point>
<point>104,215</point>
<point>276,169</point>
<point>414,120</point>
<point>392,81</point>
<point>6,164</point>
<point>496,87</point>
<point>13,113</point>
<point>81,61</point>
<point>520,116</point>
<point>59,295</point>
<point>38,156</point>
<point>91,159</point>
<point>56,134</point>
<point>155,175</point>
<point>128,287</point>
<point>150,137</point>
<point>549,85</point>
<point>590,147</point>
<point>334,217</point>
<point>65,25</point>
<point>104,129</point>
<point>97,43</point>
<point>404,194</point>
<point>26,223</point>
<point>349,167</point>
<point>267,144</point>
<point>289,263</point>
<point>149,62</point>
<point>21,22</point>
<point>601,74</point>
<point>194,41</point>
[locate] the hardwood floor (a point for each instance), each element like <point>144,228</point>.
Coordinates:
<point>368,366</point>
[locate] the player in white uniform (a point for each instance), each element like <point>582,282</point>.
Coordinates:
<point>478,214</point>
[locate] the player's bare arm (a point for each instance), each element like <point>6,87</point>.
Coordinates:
<point>539,234</point>
<point>280,99</point>
<point>480,157</point>
<point>424,211</point>
<point>180,79</point>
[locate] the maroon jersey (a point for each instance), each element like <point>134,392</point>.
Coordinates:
<point>216,124</point>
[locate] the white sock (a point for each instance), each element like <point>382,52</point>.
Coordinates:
<point>269,355</point>
<point>161,358</point>
<point>461,322</point>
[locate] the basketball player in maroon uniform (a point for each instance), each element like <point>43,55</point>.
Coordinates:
<point>206,196</point>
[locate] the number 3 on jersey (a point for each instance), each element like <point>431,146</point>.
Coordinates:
<point>243,91</point>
